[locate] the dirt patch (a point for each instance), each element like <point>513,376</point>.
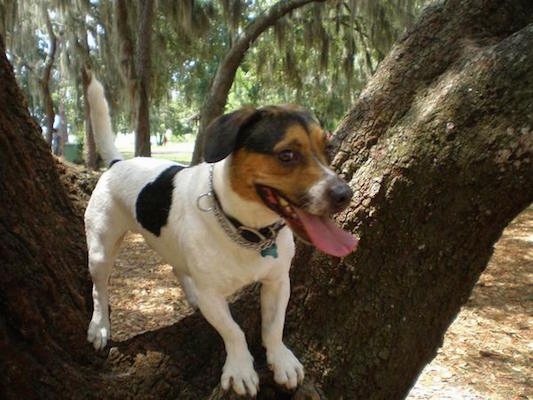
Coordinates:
<point>144,293</point>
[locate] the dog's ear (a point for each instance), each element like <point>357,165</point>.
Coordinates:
<point>221,136</point>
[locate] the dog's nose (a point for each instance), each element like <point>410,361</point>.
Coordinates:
<point>340,195</point>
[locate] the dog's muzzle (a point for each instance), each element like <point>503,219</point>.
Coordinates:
<point>311,226</point>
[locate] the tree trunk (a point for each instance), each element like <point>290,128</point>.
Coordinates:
<point>218,93</point>
<point>143,71</point>
<point>62,130</point>
<point>127,63</point>
<point>44,81</point>
<point>90,146</point>
<point>44,284</point>
<point>127,57</point>
<point>438,150</point>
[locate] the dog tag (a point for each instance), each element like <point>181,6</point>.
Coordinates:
<point>271,251</point>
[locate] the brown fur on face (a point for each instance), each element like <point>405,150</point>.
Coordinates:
<point>292,180</point>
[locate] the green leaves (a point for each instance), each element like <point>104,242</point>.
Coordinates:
<point>319,55</point>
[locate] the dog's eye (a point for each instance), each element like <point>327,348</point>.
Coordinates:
<point>289,157</point>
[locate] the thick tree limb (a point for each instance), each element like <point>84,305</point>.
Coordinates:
<point>439,151</point>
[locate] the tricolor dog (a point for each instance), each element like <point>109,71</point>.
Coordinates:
<point>222,224</point>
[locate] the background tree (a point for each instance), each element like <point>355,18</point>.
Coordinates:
<point>48,46</point>
<point>143,69</point>
<point>305,43</point>
<point>439,151</point>
<point>44,80</point>
<point>37,62</point>
<point>313,50</point>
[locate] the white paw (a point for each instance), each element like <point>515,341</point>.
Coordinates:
<point>288,371</point>
<point>239,373</point>
<point>98,334</point>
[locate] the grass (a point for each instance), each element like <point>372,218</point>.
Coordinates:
<point>178,152</point>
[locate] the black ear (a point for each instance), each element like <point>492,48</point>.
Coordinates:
<point>221,134</point>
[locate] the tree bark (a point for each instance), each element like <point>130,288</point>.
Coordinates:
<point>143,71</point>
<point>439,152</point>
<point>223,80</point>
<point>62,129</point>
<point>127,63</point>
<point>44,284</point>
<point>90,145</point>
<point>127,57</point>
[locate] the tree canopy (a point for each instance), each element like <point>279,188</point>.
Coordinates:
<point>309,56</point>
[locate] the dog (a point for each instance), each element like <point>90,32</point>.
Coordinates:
<point>222,224</point>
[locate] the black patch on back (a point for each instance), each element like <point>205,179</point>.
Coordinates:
<point>154,200</point>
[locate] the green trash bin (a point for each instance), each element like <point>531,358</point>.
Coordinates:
<point>73,152</point>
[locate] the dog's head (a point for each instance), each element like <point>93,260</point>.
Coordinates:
<point>279,159</point>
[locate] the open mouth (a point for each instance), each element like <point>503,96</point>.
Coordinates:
<point>321,231</point>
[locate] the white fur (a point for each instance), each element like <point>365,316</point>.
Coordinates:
<point>209,265</point>
<point>101,122</point>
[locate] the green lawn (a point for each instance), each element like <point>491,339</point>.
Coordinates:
<point>179,152</point>
<point>182,158</point>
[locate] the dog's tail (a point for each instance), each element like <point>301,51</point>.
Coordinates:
<point>101,123</point>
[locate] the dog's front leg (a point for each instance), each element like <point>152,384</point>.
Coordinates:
<point>288,371</point>
<point>238,369</point>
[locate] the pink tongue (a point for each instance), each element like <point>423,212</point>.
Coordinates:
<point>327,236</point>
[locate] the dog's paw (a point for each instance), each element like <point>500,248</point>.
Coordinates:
<point>288,371</point>
<point>98,334</point>
<point>239,373</point>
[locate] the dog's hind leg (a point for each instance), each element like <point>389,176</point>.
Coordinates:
<point>103,246</point>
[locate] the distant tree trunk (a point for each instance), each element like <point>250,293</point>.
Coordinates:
<point>220,86</point>
<point>90,145</point>
<point>143,71</point>
<point>44,81</point>
<point>439,152</point>
<point>63,128</point>
<point>127,56</point>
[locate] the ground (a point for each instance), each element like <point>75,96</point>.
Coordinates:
<point>487,352</point>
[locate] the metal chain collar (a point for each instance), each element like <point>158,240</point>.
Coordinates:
<point>236,233</point>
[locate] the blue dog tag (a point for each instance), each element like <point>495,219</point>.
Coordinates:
<point>271,251</point>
